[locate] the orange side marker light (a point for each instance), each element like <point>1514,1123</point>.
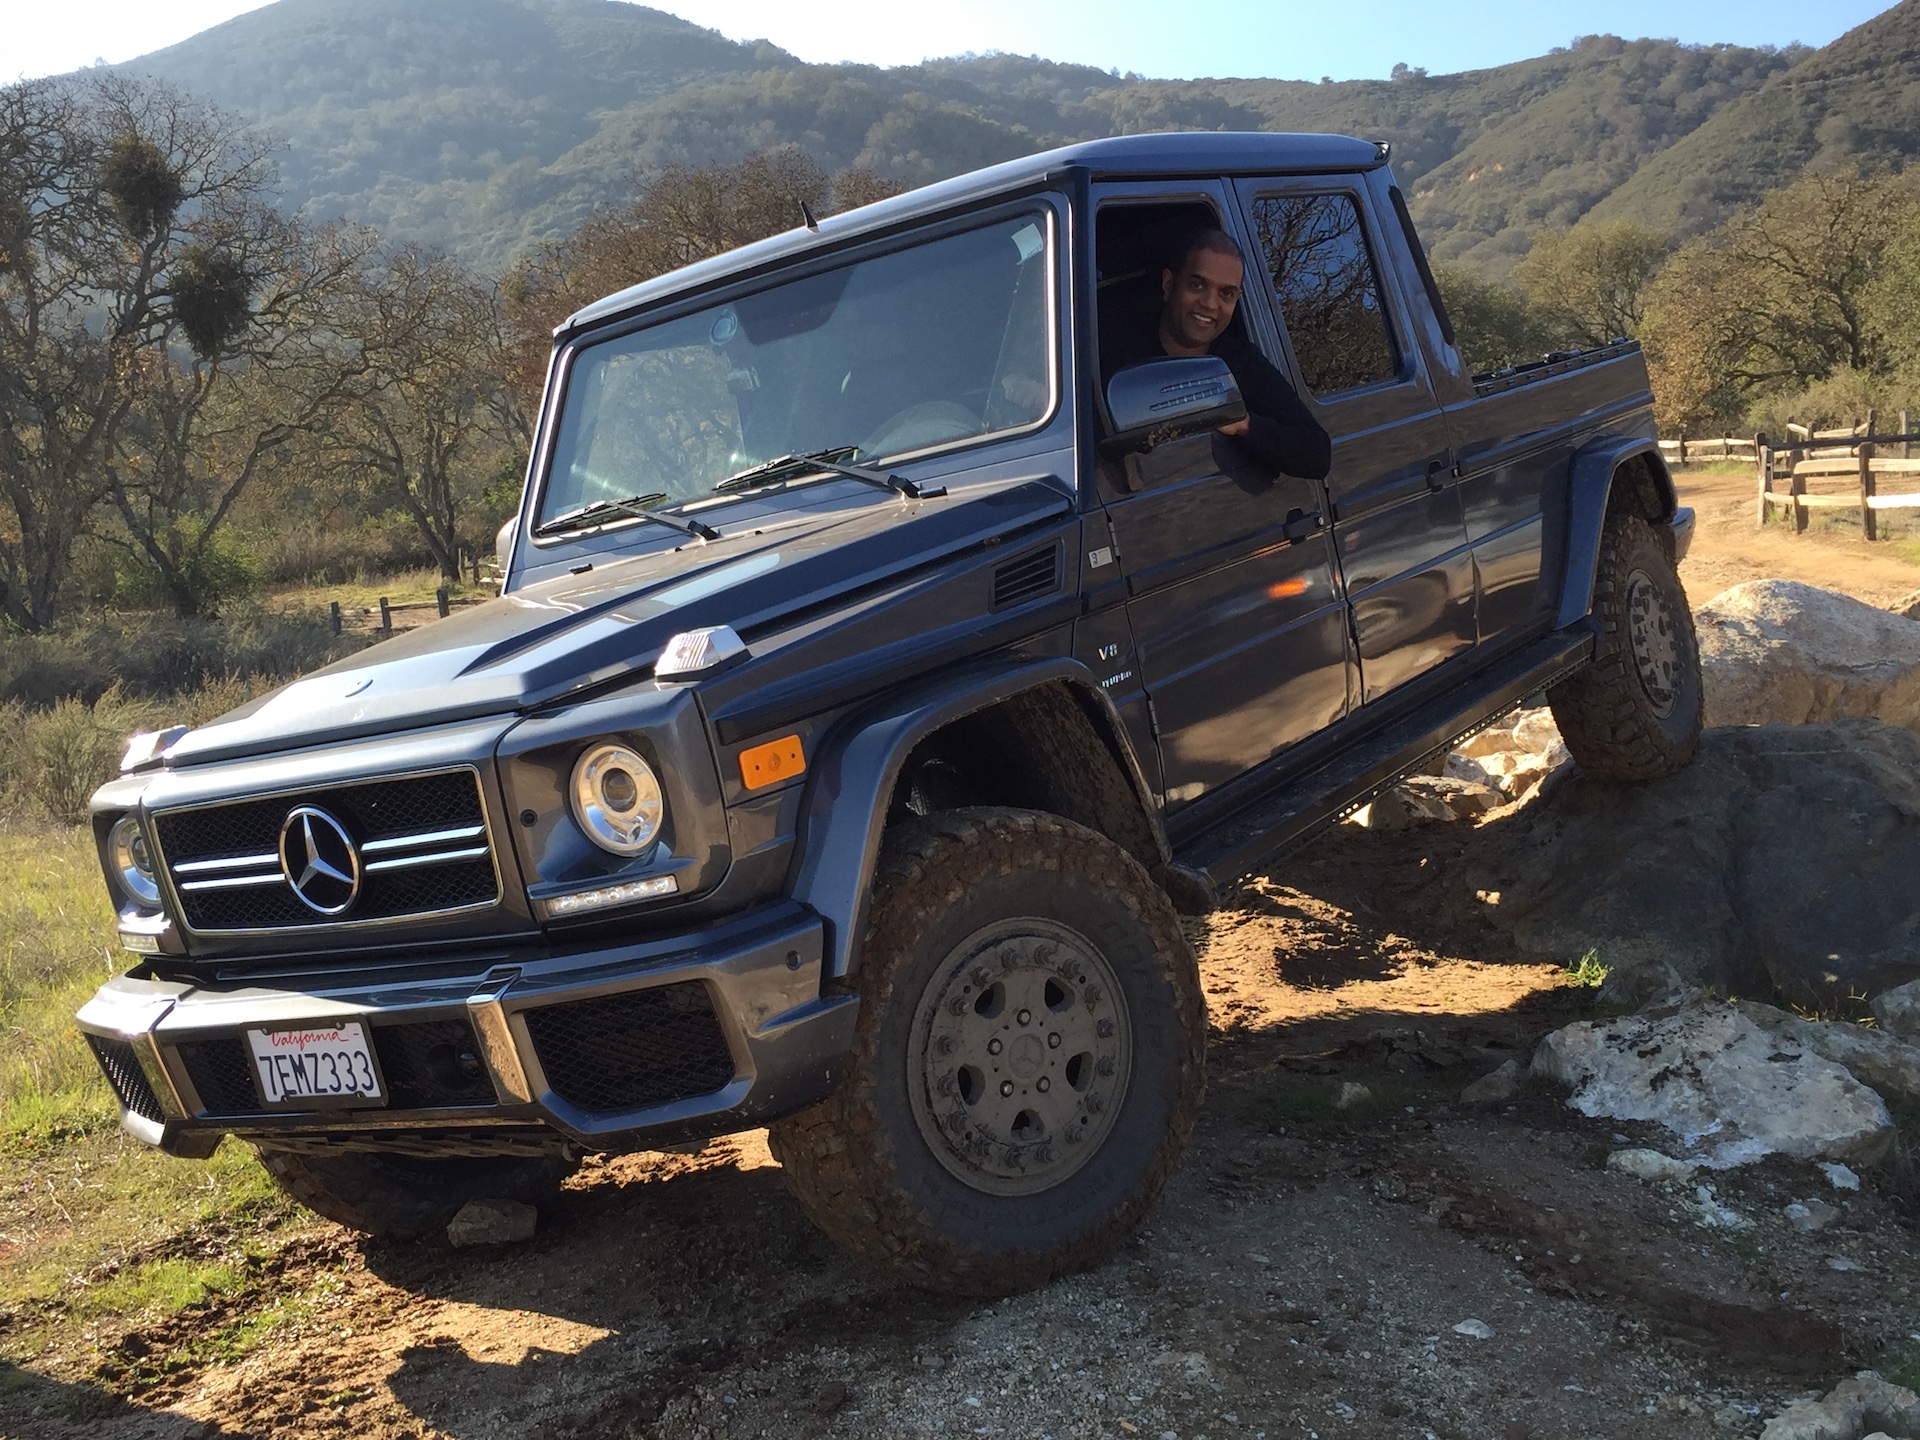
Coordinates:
<point>768,764</point>
<point>1287,589</point>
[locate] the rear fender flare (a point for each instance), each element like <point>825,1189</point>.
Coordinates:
<point>1596,467</point>
<point>852,781</point>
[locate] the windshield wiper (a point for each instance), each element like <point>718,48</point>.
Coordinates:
<point>784,469</point>
<point>636,505</point>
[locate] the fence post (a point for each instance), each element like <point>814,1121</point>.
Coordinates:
<point>1906,445</point>
<point>440,596</point>
<point>1763,458</point>
<point>1796,487</point>
<point>1869,522</point>
<point>386,616</point>
<point>334,615</point>
<point>1683,447</point>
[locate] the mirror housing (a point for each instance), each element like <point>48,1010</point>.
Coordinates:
<point>503,545</point>
<point>1161,400</point>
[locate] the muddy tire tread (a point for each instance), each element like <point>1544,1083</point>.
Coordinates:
<point>837,1160</point>
<point>1601,710</point>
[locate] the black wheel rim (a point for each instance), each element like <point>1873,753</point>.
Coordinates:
<point>1655,645</point>
<point>1020,1056</point>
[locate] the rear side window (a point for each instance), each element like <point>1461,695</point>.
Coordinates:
<point>1315,251</point>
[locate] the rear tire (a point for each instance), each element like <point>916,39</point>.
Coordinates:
<point>1633,714</point>
<point>1028,1064</point>
<point>406,1197</point>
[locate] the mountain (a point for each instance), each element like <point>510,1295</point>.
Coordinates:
<point>1856,101</point>
<point>481,125</point>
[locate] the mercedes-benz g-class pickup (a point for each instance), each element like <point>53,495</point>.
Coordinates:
<point>873,683</point>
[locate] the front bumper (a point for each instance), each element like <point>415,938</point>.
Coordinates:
<point>617,1047</point>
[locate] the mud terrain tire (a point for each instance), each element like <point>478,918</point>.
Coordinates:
<point>1634,713</point>
<point>1041,957</point>
<point>406,1197</point>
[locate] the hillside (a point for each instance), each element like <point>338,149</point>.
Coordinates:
<point>1856,100</point>
<point>478,125</point>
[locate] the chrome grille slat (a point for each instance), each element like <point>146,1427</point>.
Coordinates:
<point>442,857</point>
<point>231,862</point>
<point>415,824</point>
<point>234,882</point>
<point>431,837</point>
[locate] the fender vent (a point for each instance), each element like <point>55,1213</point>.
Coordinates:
<point>1031,575</point>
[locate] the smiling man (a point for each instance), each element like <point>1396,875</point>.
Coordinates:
<point>1199,295</point>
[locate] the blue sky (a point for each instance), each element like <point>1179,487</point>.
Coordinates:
<point>1288,39</point>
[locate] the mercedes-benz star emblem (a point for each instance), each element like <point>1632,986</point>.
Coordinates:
<point>319,860</point>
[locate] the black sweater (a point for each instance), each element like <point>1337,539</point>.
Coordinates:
<point>1281,431</point>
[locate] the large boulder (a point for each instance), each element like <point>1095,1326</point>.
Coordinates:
<point>1730,1090</point>
<point>1784,858</point>
<point>1779,652</point>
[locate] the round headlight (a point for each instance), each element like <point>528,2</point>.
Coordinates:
<point>617,800</point>
<point>132,861</point>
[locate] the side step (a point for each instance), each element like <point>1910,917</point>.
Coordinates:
<point>1260,834</point>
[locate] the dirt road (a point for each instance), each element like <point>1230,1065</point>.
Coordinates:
<point>1310,1273</point>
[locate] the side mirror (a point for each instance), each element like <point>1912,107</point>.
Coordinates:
<point>1161,400</point>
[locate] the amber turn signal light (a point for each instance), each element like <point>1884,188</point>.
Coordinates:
<point>768,764</point>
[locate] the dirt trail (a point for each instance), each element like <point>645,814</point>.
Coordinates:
<point>1303,1276</point>
<point>1728,548</point>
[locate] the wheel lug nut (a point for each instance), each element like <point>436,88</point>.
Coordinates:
<point>1043,1154</point>
<point>1091,994</point>
<point>1043,1084</point>
<point>980,976</point>
<point>1026,1017</point>
<point>1006,1087</point>
<point>946,1044</point>
<point>1010,959</point>
<point>1095,1103</point>
<point>1105,1067</point>
<point>1106,1029</point>
<point>948,1084</point>
<point>958,1005</point>
<point>994,1047</point>
<point>1053,1041</point>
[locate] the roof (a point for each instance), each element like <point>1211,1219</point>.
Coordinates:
<point>1132,156</point>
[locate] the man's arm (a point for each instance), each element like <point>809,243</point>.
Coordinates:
<point>1279,428</point>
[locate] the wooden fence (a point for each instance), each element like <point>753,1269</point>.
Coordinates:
<point>1839,470</point>
<point>1690,451</point>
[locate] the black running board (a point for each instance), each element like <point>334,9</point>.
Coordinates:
<point>1261,833</point>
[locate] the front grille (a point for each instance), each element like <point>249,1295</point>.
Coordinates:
<point>645,1047</point>
<point>129,1081</point>
<point>422,842</point>
<point>431,1064</point>
<point>222,1071</point>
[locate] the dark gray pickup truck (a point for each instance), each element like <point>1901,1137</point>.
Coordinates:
<point>873,682</point>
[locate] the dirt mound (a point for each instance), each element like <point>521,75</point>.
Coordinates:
<point>1786,858</point>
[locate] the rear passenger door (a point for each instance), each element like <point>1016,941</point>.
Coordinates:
<point>1398,525</point>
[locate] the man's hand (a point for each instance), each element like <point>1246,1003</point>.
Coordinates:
<point>1239,427</point>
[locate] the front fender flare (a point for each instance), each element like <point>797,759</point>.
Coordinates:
<point>852,781</point>
<point>1589,484</point>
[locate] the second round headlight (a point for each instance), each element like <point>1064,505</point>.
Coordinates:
<point>132,861</point>
<point>617,799</point>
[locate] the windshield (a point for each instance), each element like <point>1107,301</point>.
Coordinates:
<point>939,342</point>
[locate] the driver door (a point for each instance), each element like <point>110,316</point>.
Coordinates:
<point>1237,617</point>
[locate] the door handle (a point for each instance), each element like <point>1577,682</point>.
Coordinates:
<point>1300,525</point>
<point>1441,471</point>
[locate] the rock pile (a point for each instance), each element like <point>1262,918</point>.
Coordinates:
<point>1779,652</point>
<point>1729,1088</point>
<point>1862,1408</point>
<point>1500,766</point>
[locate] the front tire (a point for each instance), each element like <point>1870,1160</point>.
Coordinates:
<point>1634,713</point>
<point>407,1197</point>
<point>1028,1064</point>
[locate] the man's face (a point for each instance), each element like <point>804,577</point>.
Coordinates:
<point>1200,299</point>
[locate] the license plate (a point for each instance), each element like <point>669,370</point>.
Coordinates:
<point>319,1064</point>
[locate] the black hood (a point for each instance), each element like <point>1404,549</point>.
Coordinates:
<point>551,639</point>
